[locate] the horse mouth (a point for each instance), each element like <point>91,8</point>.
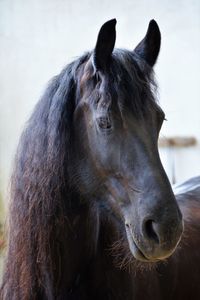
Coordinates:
<point>136,251</point>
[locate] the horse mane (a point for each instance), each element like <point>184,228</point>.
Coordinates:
<point>39,189</point>
<point>41,194</point>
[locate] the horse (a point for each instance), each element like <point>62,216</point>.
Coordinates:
<point>92,212</point>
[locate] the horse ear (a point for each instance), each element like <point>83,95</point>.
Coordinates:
<point>104,45</point>
<point>148,49</point>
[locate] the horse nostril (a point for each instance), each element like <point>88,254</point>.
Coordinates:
<point>127,225</point>
<point>150,231</point>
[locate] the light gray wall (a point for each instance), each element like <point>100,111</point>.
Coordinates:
<point>38,38</point>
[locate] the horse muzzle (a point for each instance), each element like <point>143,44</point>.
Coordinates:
<point>153,240</point>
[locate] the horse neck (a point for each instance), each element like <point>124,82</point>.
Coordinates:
<point>83,226</point>
<point>86,223</point>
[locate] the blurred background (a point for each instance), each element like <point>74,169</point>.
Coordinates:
<point>38,38</point>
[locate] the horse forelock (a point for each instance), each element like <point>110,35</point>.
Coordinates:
<point>126,80</point>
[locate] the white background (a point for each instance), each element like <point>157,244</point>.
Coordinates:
<point>38,38</point>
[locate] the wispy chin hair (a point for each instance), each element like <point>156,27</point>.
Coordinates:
<point>124,259</point>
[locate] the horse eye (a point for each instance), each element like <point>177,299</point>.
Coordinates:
<point>104,123</point>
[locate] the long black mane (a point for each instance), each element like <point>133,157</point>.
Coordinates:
<point>40,190</point>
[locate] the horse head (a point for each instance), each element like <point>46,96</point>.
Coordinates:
<point>116,127</point>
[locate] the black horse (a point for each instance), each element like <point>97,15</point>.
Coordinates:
<point>93,215</point>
